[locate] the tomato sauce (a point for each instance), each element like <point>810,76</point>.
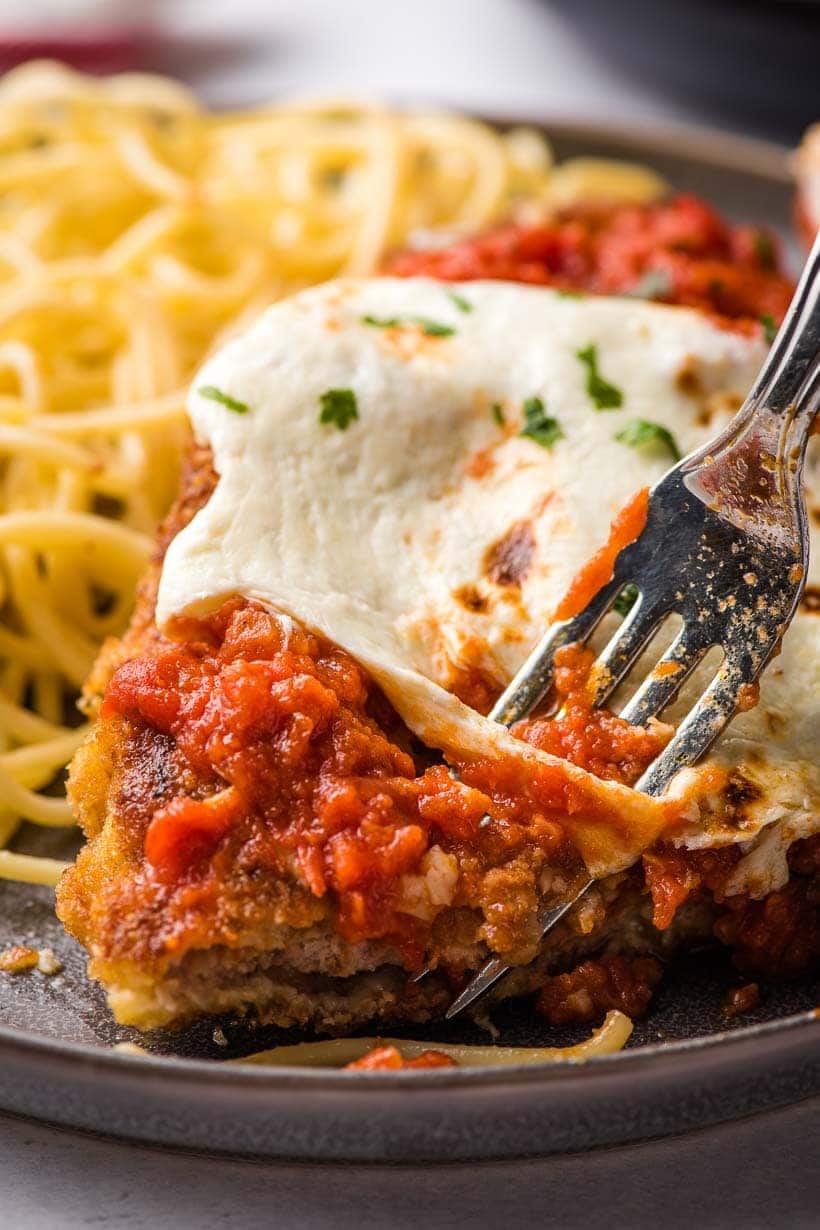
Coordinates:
<point>596,739</point>
<point>594,988</point>
<point>279,730</point>
<point>275,725</point>
<point>672,876</point>
<point>675,251</point>
<point>390,1059</point>
<point>597,572</point>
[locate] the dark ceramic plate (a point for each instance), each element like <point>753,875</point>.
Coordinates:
<point>687,1066</point>
<point>750,62</point>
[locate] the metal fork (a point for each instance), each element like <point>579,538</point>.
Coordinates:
<point>726,548</point>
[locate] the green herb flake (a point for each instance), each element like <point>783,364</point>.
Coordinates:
<point>641,433</point>
<point>626,599</point>
<point>538,425</point>
<point>497,412</point>
<point>230,403</point>
<point>769,327</point>
<point>433,328</point>
<point>338,406</point>
<point>430,328</point>
<point>460,302</point>
<point>384,322</point>
<point>604,395</point>
<point>570,294</point>
<point>764,249</point>
<point>653,284</point>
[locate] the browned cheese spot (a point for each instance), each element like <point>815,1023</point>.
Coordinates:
<point>687,379</point>
<point>508,561</point>
<point>470,597</point>
<point>739,792</point>
<point>728,403</point>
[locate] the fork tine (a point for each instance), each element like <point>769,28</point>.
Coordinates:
<point>496,967</point>
<point>666,678</point>
<point>699,729</point>
<point>625,646</point>
<point>532,682</point>
<point>694,736</point>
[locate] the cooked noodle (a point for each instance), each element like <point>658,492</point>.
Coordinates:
<point>609,1038</point>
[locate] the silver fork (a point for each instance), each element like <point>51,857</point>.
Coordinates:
<point>725,547</point>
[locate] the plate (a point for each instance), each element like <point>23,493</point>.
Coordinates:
<point>686,1067</point>
<point>750,62</point>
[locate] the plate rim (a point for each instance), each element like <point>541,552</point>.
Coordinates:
<point>722,150</point>
<point>108,1059</point>
<point>719,148</point>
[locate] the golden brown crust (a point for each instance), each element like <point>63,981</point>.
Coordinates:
<point>196,484</point>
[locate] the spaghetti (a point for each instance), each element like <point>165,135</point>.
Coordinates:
<point>136,231</point>
<point>609,1038</point>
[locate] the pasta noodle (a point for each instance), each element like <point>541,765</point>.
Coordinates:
<point>610,1037</point>
<point>136,231</point>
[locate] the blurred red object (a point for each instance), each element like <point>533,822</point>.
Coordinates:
<point>97,36</point>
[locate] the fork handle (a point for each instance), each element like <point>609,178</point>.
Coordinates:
<point>796,348</point>
<point>751,473</point>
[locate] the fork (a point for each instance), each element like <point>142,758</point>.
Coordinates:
<point>725,547</point>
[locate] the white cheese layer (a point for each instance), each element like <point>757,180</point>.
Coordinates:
<point>429,537</point>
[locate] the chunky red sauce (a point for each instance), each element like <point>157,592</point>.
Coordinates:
<point>276,726</point>
<point>672,876</point>
<point>676,251</point>
<point>597,572</point>
<point>596,739</point>
<point>594,988</point>
<point>389,1059</point>
<point>279,729</point>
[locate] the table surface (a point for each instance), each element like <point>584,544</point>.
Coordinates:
<point>52,1179</point>
<point>496,56</point>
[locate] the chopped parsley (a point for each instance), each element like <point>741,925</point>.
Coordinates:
<point>431,328</point>
<point>626,599</point>
<point>538,425</point>
<point>764,249</point>
<point>497,411</point>
<point>769,327</point>
<point>460,302</point>
<point>338,406</point>
<point>604,395</point>
<point>230,403</point>
<point>641,433</point>
<point>653,284</point>
<point>571,294</point>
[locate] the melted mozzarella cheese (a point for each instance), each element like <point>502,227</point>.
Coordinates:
<point>429,536</point>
